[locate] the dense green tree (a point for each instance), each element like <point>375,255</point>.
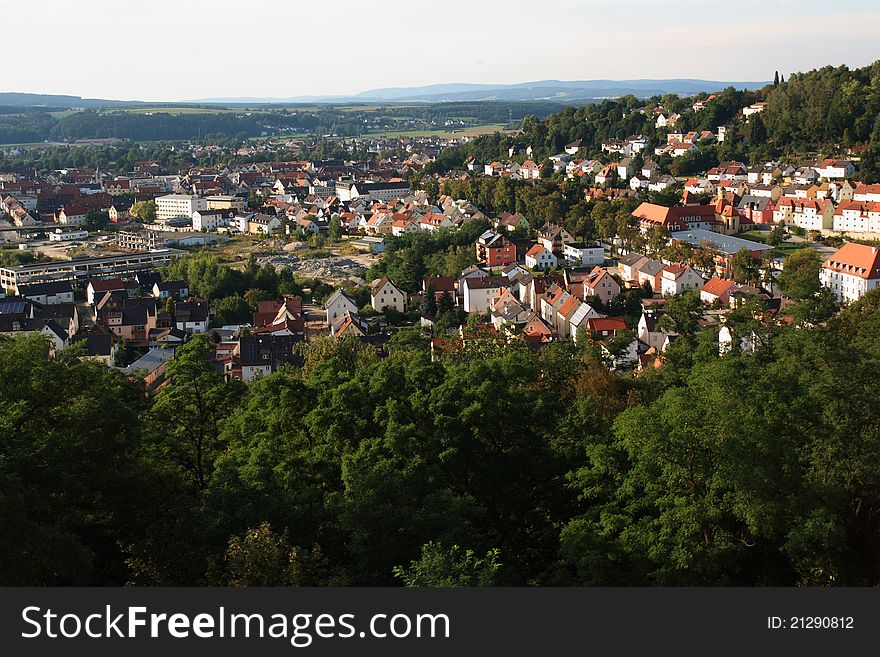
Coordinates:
<point>452,566</point>
<point>186,414</point>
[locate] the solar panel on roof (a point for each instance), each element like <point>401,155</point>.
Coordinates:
<point>11,307</point>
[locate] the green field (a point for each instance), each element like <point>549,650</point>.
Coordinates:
<point>442,132</point>
<point>782,250</point>
<point>175,110</point>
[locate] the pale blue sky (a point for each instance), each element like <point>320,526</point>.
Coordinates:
<point>187,49</point>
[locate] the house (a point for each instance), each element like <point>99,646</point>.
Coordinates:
<point>282,317</point>
<point>130,320</point>
<point>747,343</point>
<point>809,214</point>
<point>864,192</point>
<point>151,367</point>
<point>717,290</point>
<point>338,304</point>
<point>479,291</point>
<point>495,250</point>
<point>260,355</point>
<point>99,344</point>
<point>579,254</point>
<point>511,222</point>
<point>170,289</point>
<point>96,288</point>
<point>629,265</point>
<point>599,283</point>
<point>649,272</point>
<point>263,224</point>
<point>851,272</point>
<point>434,221</point>
<point>756,209</point>
<point>857,217</point>
<point>536,331</point>
<point>349,324</point>
<point>403,225</point>
<point>192,316</point>
<point>72,215</point>
<point>675,279</point>
<point>573,147</point>
<point>679,148</point>
<point>651,215</point>
<point>578,321</point>
<point>47,294</point>
<point>754,108</point>
<point>554,238</point>
<point>508,312</point>
<point>540,258</point>
<point>551,301</point>
<point>831,169</point>
<point>650,332</point>
<point>722,247</point>
<point>385,294</point>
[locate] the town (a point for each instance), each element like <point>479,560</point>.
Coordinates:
<point>629,339</point>
<point>99,240</point>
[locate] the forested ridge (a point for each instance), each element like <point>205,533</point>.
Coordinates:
<point>502,466</point>
<point>818,112</point>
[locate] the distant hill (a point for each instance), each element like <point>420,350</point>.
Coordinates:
<point>562,91</point>
<point>15,99</point>
<point>543,90</point>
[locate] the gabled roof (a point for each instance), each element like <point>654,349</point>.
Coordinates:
<point>718,286</point>
<point>856,260</point>
<point>336,296</point>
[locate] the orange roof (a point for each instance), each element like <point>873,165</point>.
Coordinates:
<point>856,260</point>
<point>718,286</point>
<point>535,251</point>
<point>569,306</point>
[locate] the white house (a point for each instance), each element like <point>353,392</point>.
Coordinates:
<point>579,254</point>
<point>835,169</point>
<point>385,294</point>
<point>173,206</point>
<point>675,279</point>
<point>337,304</point>
<point>540,258</point>
<point>851,272</point>
<point>479,292</point>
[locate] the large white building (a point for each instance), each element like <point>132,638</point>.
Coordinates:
<point>852,271</point>
<point>173,206</point>
<point>347,190</point>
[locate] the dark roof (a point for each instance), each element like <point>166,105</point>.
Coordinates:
<point>274,350</point>
<point>195,310</point>
<point>52,287</point>
<point>487,282</point>
<point>13,305</point>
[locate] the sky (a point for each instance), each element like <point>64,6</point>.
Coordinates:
<point>162,50</point>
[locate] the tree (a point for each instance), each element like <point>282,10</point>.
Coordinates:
<point>261,557</point>
<point>65,516</point>
<point>744,267</point>
<point>756,130</point>
<point>145,211</point>
<point>683,313</point>
<point>452,566</point>
<point>232,310</point>
<point>334,229</point>
<point>96,220</point>
<point>799,279</point>
<point>186,415</point>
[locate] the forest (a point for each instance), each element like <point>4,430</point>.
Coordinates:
<point>501,465</point>
<point>35,124</point>
<point>821,112</point>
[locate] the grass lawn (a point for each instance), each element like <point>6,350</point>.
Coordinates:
<point>782,250</point>
<point>443,132</point>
